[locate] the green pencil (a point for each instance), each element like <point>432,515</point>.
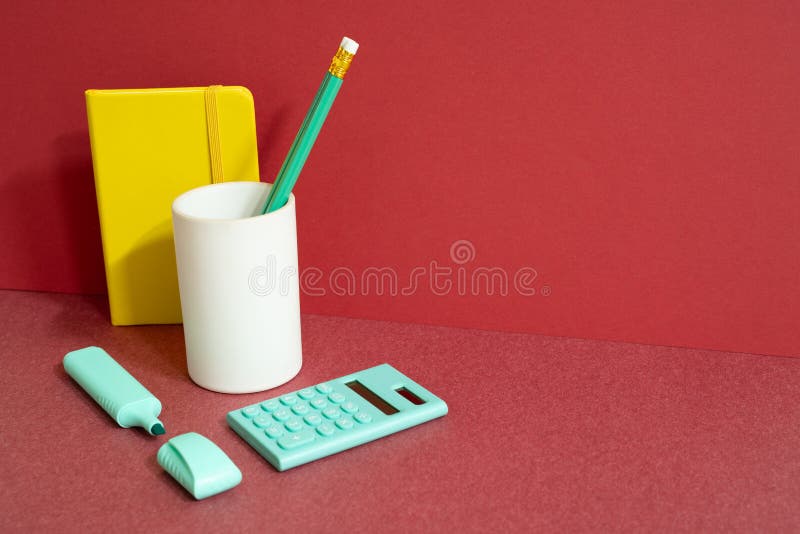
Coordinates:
<point>301,147</point>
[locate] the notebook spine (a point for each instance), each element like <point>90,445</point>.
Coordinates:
<point>212,126</point>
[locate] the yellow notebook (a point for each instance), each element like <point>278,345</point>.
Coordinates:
<point>148,147</point>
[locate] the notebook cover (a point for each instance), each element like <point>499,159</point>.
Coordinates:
<point>148,147</point>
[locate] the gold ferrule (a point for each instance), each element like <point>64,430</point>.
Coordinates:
<point>340,63</point>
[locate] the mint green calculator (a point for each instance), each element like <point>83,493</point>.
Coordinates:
<point>318,421</point>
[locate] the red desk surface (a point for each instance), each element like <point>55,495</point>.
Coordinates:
<point>545,433</point>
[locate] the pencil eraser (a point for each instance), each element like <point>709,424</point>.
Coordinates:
<point>349,45</point>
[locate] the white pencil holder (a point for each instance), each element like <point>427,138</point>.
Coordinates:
<point>239,287</point>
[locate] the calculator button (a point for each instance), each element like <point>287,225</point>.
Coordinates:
<point>319,404</point>
<point>293,425</point>
<point>324,389</point>
<point>274,431</point>
<point>325,429</point>
<point>306,394</point>
<point>345,423</point>
<point>362,417</point>
<point>350,407</point>
<point>331,413</point>
<point>289,400</point>
<point>312,419</point>
<point>336,397</point>
<point>250,411</point>
<point>301,409</point>
<point>292,441</point>
<point>270,405</point>
<point>262,421</point>
<point>281,414</point>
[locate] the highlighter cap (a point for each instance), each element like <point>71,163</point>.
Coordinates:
<point>198,465</point>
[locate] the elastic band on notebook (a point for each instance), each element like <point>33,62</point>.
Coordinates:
<point>212,125</point>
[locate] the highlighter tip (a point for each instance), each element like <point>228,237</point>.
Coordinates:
<point>157,429</point>
<point>349,45</point>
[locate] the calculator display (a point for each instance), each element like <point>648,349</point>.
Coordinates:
<point>369,396</point>
<point>410,396</point>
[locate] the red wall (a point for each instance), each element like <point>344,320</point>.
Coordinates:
<point>643,158</point>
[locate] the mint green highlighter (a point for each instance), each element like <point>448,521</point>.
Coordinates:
<point>318,421</point>
<point>113,388</point>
